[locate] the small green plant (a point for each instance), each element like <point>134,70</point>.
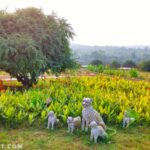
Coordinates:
<point>98,68</point>
<point>133,73</point>
<point>91,68</point>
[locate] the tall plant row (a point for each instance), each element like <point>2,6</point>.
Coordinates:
<point>111,97</point>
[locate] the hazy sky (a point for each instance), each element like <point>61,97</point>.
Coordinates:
<point>98,22</point>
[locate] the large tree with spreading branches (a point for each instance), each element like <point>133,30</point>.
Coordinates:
<point>32,43</point>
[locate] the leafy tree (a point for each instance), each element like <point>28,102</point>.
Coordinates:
<point>145,66</point>
<point>33,32</point>
<point>115,64</point>
<point>21,59</point>
<point>96,62</point>
<point>129,63</point>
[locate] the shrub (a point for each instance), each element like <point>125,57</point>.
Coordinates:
<point>129,63</point>
<point>98,68</point>
<point>91,67</point>
<point>133,73</point>
<point>96,62</point>
<point>145,66</point>
<point>115,64</point>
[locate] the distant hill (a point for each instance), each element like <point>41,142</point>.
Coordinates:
<point>85,54</point>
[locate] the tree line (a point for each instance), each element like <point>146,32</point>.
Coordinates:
<point>144,66</point>
<point>107,54</point>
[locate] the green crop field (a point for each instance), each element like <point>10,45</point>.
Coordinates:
<point>23,114</point>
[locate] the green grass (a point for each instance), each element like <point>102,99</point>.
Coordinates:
<point>42,139</point>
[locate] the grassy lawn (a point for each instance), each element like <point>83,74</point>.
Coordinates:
<point>42,139</point>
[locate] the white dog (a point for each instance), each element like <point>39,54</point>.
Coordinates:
<point>97,131</point>
<point>89,114</point>
<point>127,120</point>
<point>52,120</point>
<point>73,123</point>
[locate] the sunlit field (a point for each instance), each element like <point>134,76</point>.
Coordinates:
<point>70,63</point>
<point>24,114</point>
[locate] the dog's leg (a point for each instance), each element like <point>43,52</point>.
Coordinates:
<point>72,128</point>
<point>83,123</point>
<point>87,124</point>
<point>124,123</point>
<point>127,122</point>
<point>52,128</point>
<point>95,138</point>
<point>92,136</point>
<point>69,129</point>
<point>48,124</point>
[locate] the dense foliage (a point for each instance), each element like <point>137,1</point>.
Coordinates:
<point>111,97</point>
<point>96,68</point>
<point>107,54</point>
<point>96,62</point>
<point>145,66</point>
<point>133,73</point>
<point>115,64</point>
<point>20,58</point>
<point>129,63</point>
<point>39,42</point>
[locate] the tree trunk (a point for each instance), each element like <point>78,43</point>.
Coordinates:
<point>27,83</point>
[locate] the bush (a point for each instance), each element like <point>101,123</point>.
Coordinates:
<point>98,68</point>
<point>91,68</point>
<point>145,66</point>
<point>133,73</point>
<point>129,63</point>
<point>96,62</point>
<point>115,64</point>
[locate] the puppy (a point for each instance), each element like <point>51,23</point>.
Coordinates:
<point>127,120</point>
<point>97,131</point>
<point>73,123</point>
<point>52,120</point>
